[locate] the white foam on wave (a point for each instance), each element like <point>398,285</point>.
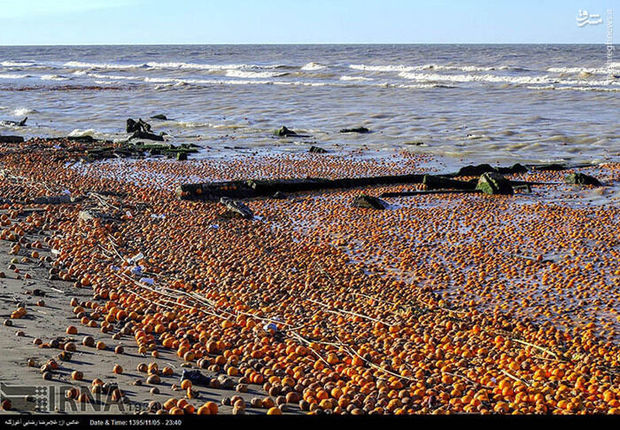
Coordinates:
<point>612,68</point>
<point>83,65</point>
<point>103,82</point>
<point>54,78</point>
<point>82,133</point>
<point>250,74</point>
<point>161,80</point>
<point>115,77</point>
<point>211,67</point>
<point>194,66</point>
<point>170,83</point>
<point>387,68</point>
<point>16,64</point>
<point>518,80</point>
<point>403,68</point>
<point>153,65</point>
<point>180,82</point>
<point>14,76</point>
<point>573,88</point>
<point>355,78</point>
<point>22,111</point>
<point>417,86</point>
<point>313,67</point>
<point>541,87</point>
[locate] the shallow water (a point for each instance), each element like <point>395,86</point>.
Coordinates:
<point>493,103</point>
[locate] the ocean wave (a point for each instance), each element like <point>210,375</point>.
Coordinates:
<point>541,87</point>
<point>477,137</point>
<point>172,66</point>
<point>171,83</point>
<point>573,88</point>
<point>313,67</point>
<point>388,68</point>
<point>161,80</point>
<point>418,86</point>
<point>193,124</point>
<point>82,133</point>
<point>106,82</point>
<point>181,82</point>
<point>198,124</point>
<point>612,68</point>
<point>54,78</point>
<point>22,111</point>
<point>213,67</point>
<point>14,76</point>
<point>250,74</point>
<point>82,65</point>
<point>16,64</point>
<point>355,78</point>
<point>403,68</point>
<point>115,77</point>
<point>517,80</point>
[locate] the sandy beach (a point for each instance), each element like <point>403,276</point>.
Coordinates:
<point>440,303</point>
<point>48,321</point>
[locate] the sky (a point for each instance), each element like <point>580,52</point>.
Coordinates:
<point>77,22</point>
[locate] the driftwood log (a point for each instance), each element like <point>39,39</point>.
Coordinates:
<point>213,191</point>
<point>11,139</point>
<point>252,188</point>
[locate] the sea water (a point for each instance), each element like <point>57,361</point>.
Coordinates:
<point>487,103</point>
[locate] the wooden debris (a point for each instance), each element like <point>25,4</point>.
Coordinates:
<point>436,182</point>
<point>213,191</point>
<point>426,192</point>
<point>11,139</point>
<point>237,207</point>
<point>317,150</point>
<point>366,201</point>
<point>362,130</point>
<point>53,200</point>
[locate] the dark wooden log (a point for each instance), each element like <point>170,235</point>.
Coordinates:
<point>146,135</point>
<point>11,139</point>
<point>287,132</point>
<point>436,182</point>
<point>317,150</point>
<point>361,130</point>
<point>427,192</point>
<point>213,191</point>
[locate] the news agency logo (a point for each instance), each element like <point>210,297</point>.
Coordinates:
<point>51,398</point>
<point>584,18</point>
<point>35,398</point>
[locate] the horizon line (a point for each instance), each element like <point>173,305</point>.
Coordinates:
<point>301,44</point>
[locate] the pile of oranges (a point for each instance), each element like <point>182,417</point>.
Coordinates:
<point>442,305</point>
